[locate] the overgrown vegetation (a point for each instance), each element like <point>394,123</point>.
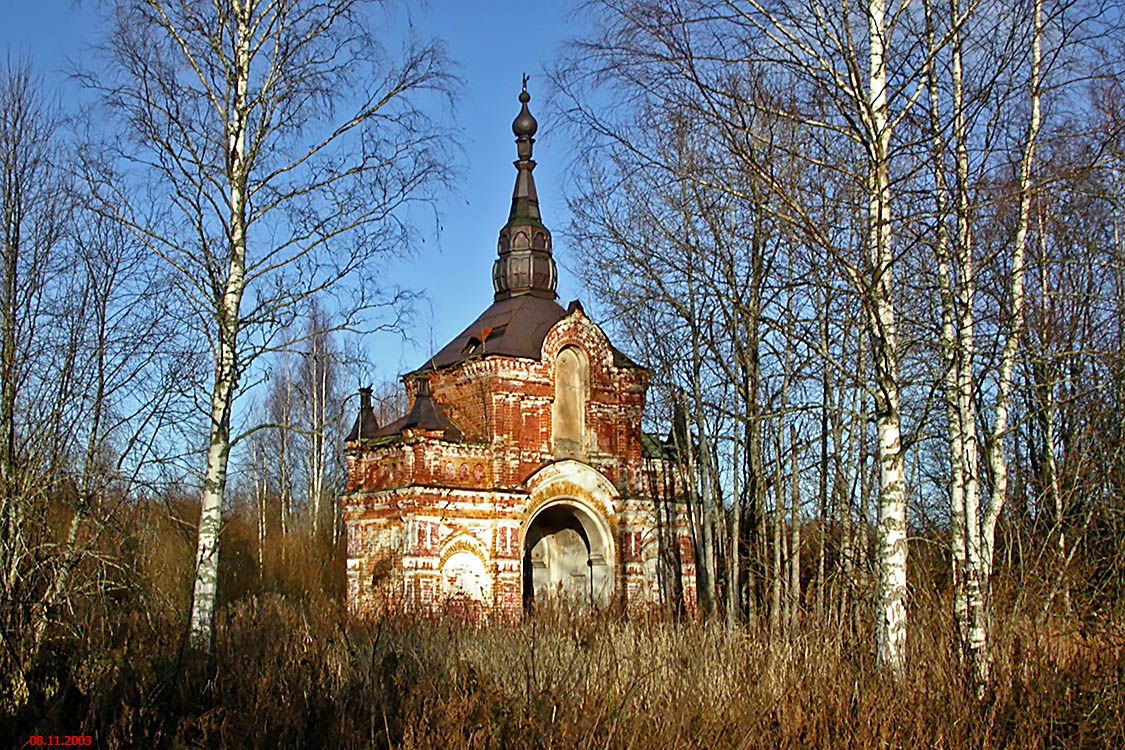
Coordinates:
<point>293,669</point>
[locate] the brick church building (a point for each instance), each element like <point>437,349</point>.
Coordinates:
<point>519,472</point>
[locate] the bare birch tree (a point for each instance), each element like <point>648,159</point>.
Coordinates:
<point>284,141</point>
<point>973,518</point>
<point>320,425</point>
<point>34,215</point>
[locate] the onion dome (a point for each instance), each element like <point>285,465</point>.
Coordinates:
<point>525,264</point>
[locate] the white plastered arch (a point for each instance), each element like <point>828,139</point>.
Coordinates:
<point>584,494</point>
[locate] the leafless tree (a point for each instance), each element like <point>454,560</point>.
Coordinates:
<point>90,358</point>
<point>987,89</point>
<point>321,417</point>
<point>284,143</point>
<point>34,219</point>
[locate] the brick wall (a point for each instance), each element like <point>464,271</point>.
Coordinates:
<point>409,503</point>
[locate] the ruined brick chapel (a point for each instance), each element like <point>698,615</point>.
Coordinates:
<point>519,473</point>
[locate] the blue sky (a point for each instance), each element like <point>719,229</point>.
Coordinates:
<point>493,43</point>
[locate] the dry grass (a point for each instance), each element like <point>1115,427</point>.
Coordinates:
<point>302,674</point>
<point>293,670</point>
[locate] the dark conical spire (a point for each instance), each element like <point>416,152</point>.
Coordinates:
<point>525,265</point>
<point>366,424</point>
<point>427,415</point>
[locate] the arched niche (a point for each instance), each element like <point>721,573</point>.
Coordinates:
<point>567,556</point>
<point>463,576</point>
<point>464,573</point>
<point>568,411</point>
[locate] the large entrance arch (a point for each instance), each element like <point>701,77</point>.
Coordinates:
<point>567,556</point>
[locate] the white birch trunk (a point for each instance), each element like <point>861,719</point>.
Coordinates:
<point>733,563</point>
<point>285,482</point>
<point>951,360</point>
<point>997,457</point>
<point>705,565</point>
<point>205,588</point>
<point>314,440</point>
<point>261,497</point>
<point>891,537</point>
<point>981,541</point>
<point>226,368</point>
<point>972,539</point>
<point>707,520</point>
<point>1054,486</point>
<point>974,627</point>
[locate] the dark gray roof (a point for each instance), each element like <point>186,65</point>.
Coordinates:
<point>653,447</point>
<point>513,327</point>
<point>365,426</point>
<point>424,415</point>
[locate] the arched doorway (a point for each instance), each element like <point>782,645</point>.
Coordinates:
<point>567,557</point>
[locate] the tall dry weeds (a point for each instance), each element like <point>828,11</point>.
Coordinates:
<point>292,669</point>
<point>303,674</point>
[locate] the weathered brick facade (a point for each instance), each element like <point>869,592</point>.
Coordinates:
<point>520,471</point>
